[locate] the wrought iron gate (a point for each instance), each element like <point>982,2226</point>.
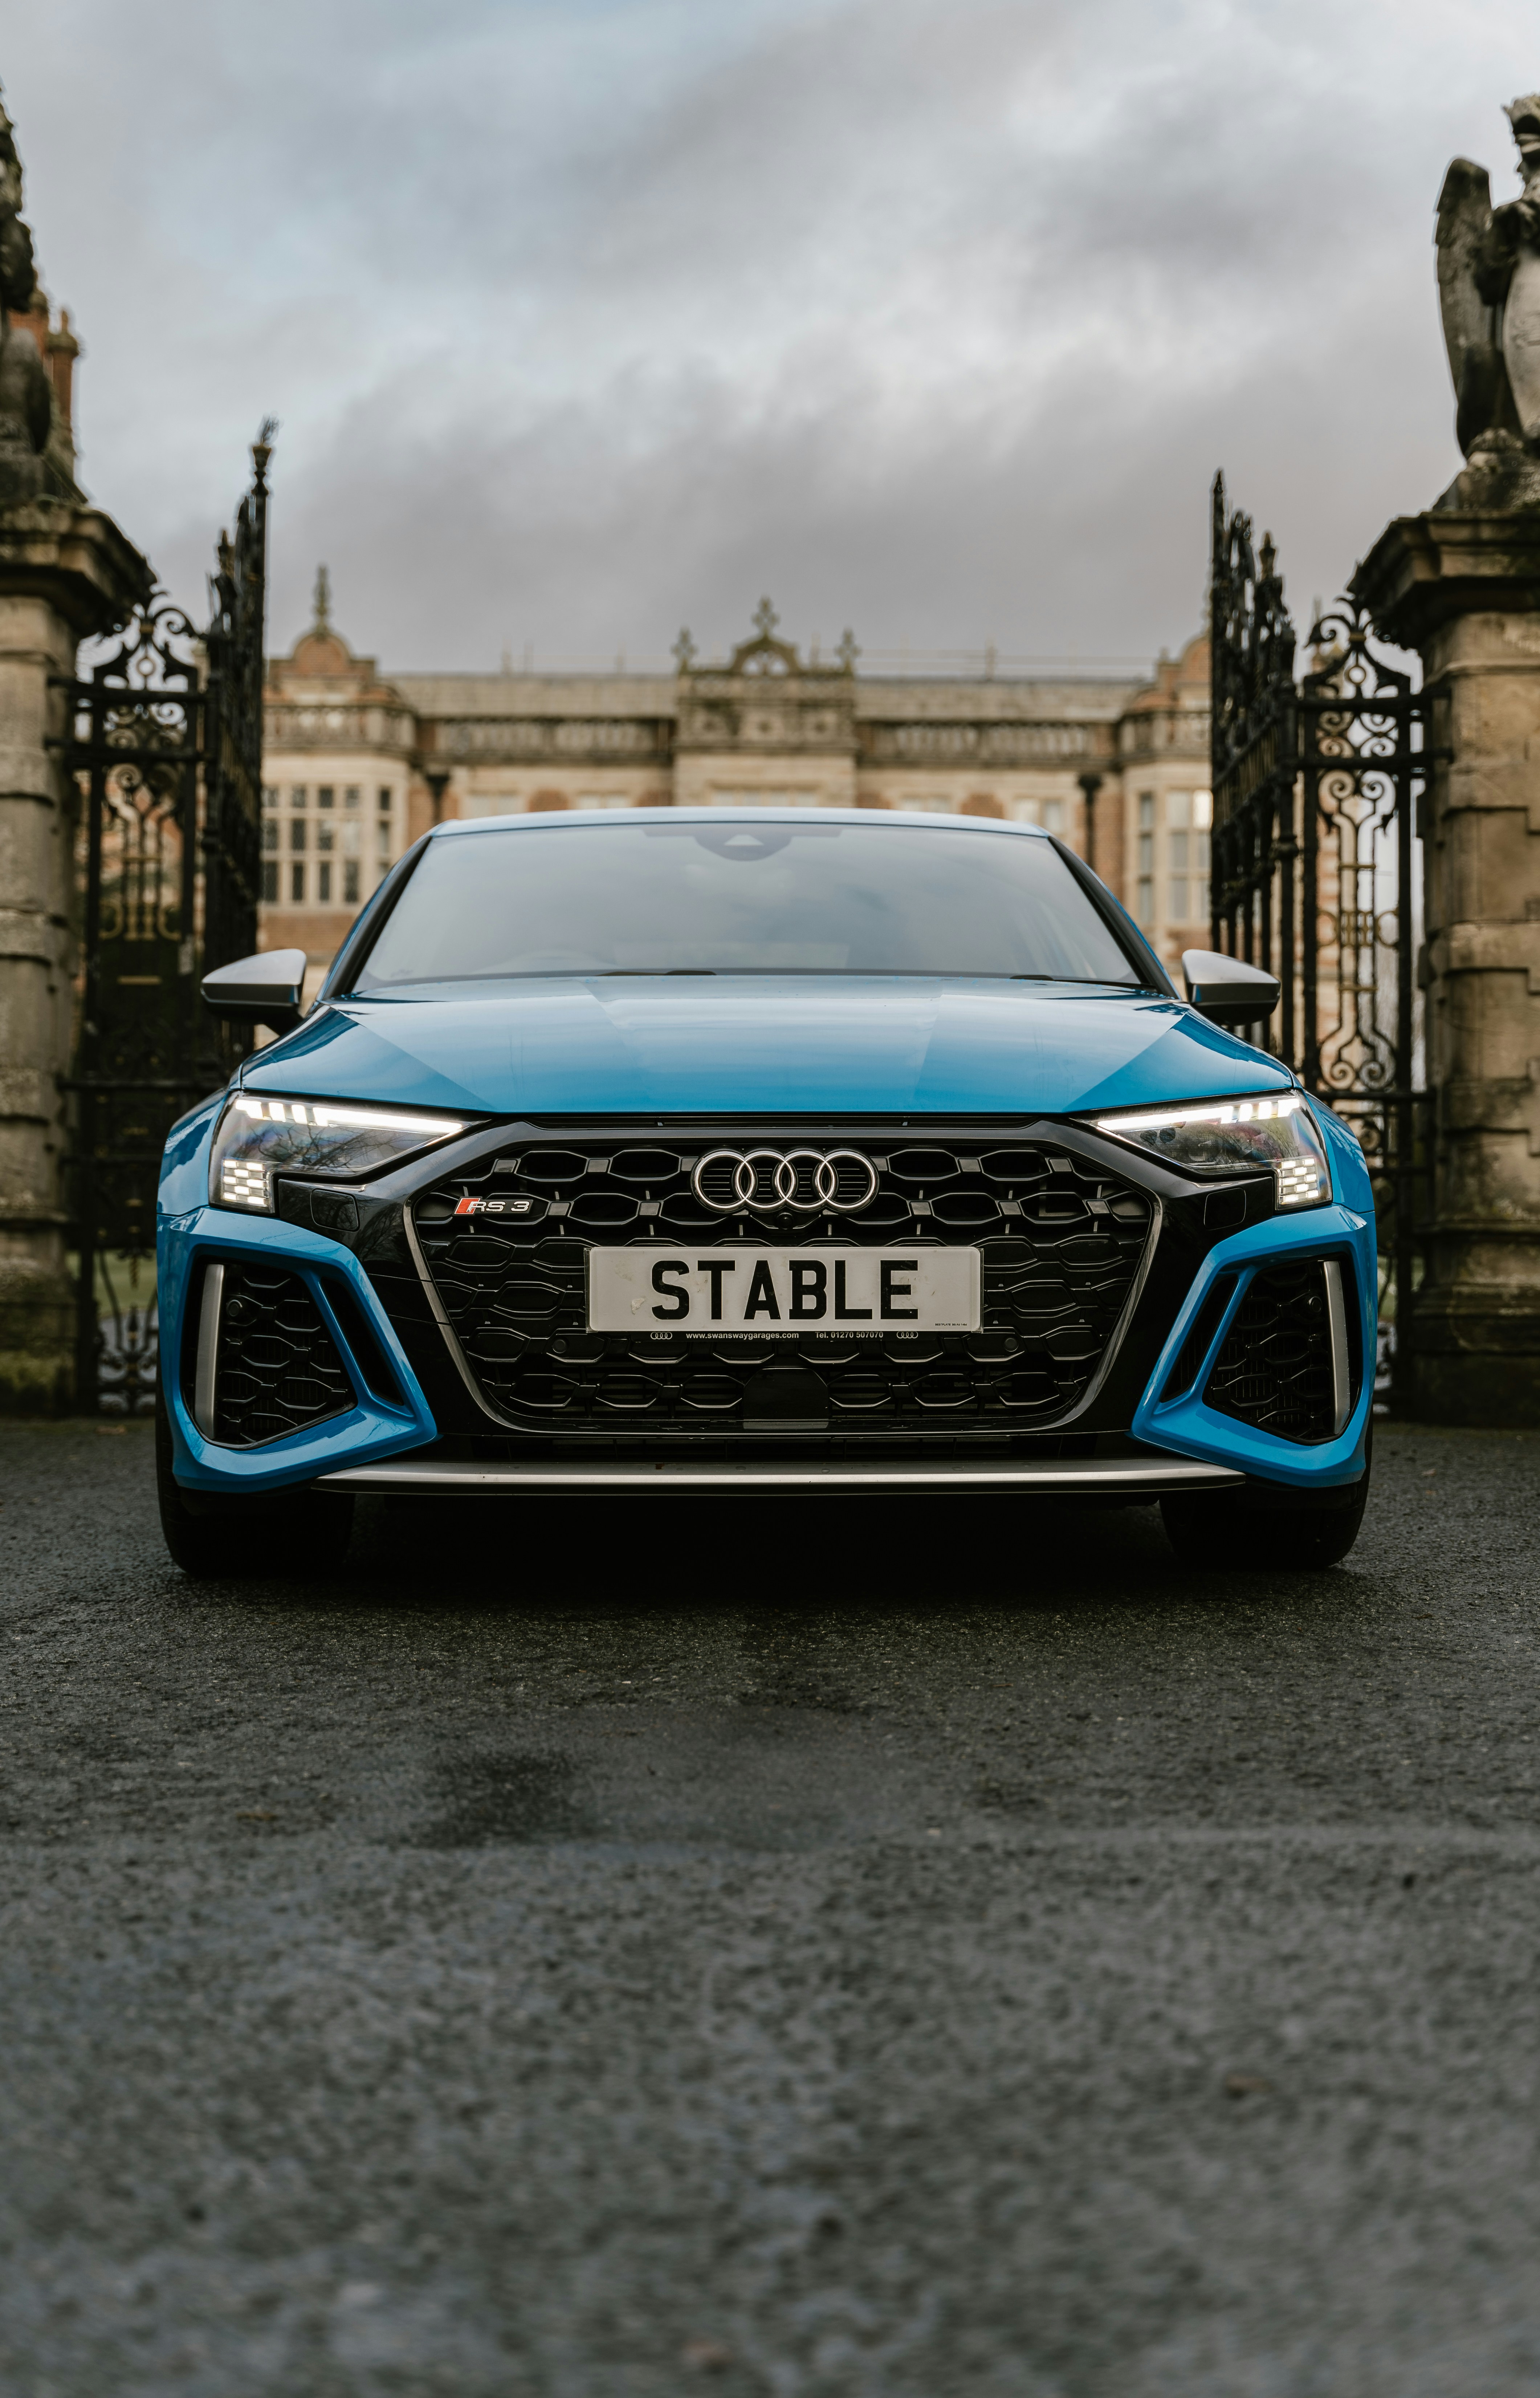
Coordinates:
<point>163,743</point>
<point>1316,872</point>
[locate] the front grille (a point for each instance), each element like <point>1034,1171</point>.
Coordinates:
<point>277,1367</point>
<point>1275,1370</point>
<point>1060,1239</point>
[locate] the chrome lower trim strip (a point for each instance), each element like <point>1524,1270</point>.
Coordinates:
<point>446,1478</point>
<point>1336,1321</point>
<point>205,1371</point>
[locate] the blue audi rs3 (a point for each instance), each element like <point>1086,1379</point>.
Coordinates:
<point>777,1150</point>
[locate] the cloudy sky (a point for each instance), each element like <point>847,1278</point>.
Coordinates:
<point>587,319</point>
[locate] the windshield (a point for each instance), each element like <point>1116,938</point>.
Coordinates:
<point>740,896</point>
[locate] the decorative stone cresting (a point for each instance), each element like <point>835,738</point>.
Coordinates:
<point>65,571</point>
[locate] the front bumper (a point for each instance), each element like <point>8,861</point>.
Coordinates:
<point>1146,1426</point>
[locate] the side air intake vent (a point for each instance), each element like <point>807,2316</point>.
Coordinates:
<point>266,1363</point>
<point>1286,1365</point>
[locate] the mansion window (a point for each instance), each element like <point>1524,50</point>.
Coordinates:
<point>330,862</point>
<point>1187,818</point>
<point>1171,859</point>
<point>271,798</point>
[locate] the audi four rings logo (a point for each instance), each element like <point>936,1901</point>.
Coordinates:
<point>807,1182</point>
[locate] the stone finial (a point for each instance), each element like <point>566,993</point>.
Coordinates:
<point>684,650</point>
<point>847,651</point>
<point>323,601</point>
<point>765,653</point>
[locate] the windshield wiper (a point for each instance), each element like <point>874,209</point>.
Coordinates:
<point>606,973</point>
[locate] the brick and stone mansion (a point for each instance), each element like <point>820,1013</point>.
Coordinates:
<point>357,763</point>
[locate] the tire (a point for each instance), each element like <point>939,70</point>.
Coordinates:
<point>293,1537</point>
<point>1213,1530</point>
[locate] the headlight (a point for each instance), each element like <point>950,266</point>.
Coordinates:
<point>1227,1135</point>
<point>258,1137</point>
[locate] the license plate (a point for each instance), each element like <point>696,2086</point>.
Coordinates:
<point>654,1288</point>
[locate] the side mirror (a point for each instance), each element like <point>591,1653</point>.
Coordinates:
<point>263,989</point>
<point>1227,990</point>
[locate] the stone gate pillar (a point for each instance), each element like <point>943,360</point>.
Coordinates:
<point>1462,587</point>
<point>65,571</point>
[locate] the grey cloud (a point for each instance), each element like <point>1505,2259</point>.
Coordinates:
<point>935,316</point>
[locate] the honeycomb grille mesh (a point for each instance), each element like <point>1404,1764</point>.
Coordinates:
<point>1060,1241</point>
<point>277,1370</point>
<point>1275,1369</point>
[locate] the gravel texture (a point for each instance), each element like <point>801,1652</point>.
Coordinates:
<point>807,1950</point>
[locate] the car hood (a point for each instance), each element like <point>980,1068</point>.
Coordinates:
<point>761,1045</point>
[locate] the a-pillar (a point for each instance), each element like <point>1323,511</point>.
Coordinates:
<point>1464,590</point>
<point>65,571</point>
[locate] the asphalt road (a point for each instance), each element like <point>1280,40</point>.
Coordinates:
<point>800,1950</point>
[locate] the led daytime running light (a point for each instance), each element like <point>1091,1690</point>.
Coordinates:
<point>324,1115</point>
<point>1223,1112</point>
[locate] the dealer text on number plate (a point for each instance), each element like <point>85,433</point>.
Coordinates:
<point>653,1288</point>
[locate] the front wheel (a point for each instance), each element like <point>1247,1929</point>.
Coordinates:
<point>1212,1528</point>
<point>292,1535</point>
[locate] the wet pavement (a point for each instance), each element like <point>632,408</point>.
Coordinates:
<point>805,1949</point>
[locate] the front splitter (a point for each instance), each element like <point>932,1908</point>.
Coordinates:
<point>1084,1477</point>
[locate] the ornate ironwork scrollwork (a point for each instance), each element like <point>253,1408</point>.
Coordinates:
<point>1315,864</point>
<point>163,741</point>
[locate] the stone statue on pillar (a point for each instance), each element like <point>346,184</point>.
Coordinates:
<point>26,395</point>
<point>1489,297</point>
<point>1460,584</point>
